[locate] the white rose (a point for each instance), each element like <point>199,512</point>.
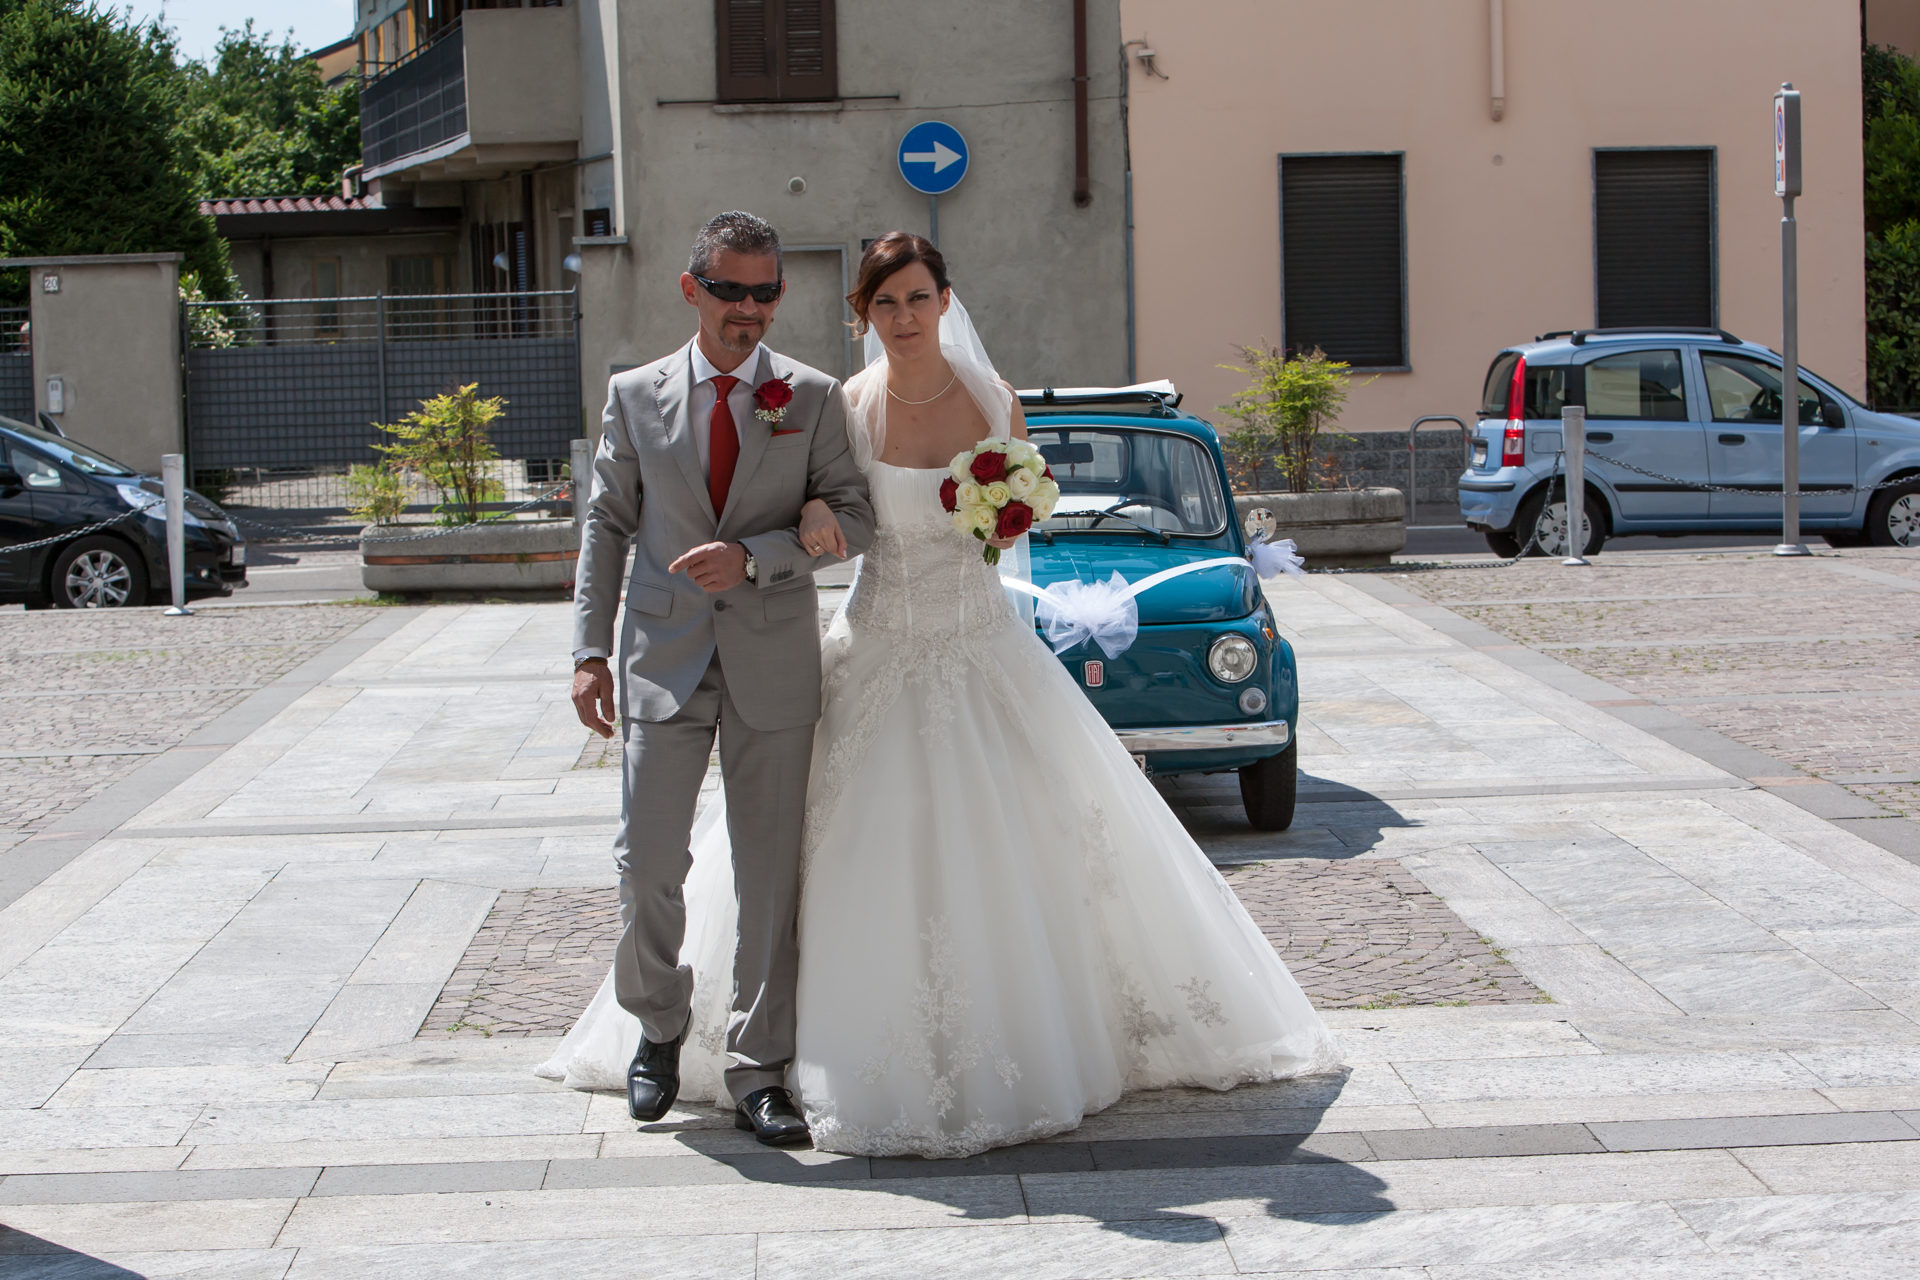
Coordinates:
<point>1023,453</point>
<point>1021,482</point>
<point>1045,498</point>
<point>985,519</point>
<point>968,494</point>
<point>963,520</point>
<point>997,494</point>
<point>960,470</point>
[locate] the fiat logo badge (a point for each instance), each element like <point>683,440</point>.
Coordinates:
<point>1096,673</point>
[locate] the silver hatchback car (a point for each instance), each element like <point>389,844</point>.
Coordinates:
<point>1671,415</point>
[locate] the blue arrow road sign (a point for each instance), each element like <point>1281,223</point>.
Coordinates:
<point>933,158</point>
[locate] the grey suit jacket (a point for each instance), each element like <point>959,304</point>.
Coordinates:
<point>649,490</point>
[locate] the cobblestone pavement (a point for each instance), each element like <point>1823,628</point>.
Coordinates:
<point>1812,661</point>
<point>91,695</point>
<point>1362,934</point>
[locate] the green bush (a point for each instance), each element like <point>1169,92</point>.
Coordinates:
<point>444,442</point>
<point>1282,417</point>
<point>1890,154</point>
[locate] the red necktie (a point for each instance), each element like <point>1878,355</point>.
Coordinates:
<point>723,444</point>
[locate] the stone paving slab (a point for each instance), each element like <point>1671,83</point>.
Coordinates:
<point>201,994</point>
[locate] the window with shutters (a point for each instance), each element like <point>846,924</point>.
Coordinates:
<point>1653,233</point>
<point>1343,275</point>
<point>776,51</point>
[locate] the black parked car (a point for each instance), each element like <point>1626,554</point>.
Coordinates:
<point>50,486</point>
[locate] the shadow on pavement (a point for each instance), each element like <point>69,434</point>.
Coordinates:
<point>28,1257</point>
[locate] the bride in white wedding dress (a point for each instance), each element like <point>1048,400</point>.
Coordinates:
<point>1002,925</point>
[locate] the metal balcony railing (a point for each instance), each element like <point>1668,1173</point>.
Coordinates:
<point>417,104</point>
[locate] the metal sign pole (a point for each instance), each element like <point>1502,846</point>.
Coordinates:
<point>1786,184</point>
<point>173,488</point>
<point>933,220</point>
<point>1573,440</point>
<point>580,471</point>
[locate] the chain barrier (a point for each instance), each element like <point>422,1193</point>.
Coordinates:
<point>70,534</point>
<point>1750,493</point>
<point>1430,566</point>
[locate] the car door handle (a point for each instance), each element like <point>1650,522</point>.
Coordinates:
<point>1727,437</point>
<point>1600,437</point>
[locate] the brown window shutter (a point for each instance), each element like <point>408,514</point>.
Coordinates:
<point>808,70</point>
<point>745,31</point>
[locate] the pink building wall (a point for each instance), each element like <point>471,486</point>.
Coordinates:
<point>1499,214</point>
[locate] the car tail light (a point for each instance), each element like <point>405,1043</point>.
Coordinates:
<point>1513,445</point>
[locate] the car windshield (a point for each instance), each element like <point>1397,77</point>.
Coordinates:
<point>1113,480</point>
<point>71,452</point>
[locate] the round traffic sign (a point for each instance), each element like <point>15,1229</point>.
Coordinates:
<point>933,157</point>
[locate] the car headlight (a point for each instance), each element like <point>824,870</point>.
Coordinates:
<point>1232,658</point>
<point>152,504</point>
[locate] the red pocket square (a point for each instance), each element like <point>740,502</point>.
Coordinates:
<point>788,431</point>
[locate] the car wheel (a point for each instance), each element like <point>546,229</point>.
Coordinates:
<point>1547,525</point>
<point>1269,787</point>
<point>1503,544</point>
<point>1893,517</point>
<point>99,573</point>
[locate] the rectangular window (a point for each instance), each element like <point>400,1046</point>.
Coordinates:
<point>776,51</point>
<point>326,284</point>
<point>1343,258</point>
<point>1653,231</point>
<point>1642,385</point>
<point>1742,389</point>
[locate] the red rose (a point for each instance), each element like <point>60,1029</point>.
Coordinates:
<point>949,493</point>
<point>1047,472</point>
<point>1015,519</point>
<point>990,466</point>
<point>773,394</point>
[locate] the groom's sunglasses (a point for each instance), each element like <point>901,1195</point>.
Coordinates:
<point>728,291</point>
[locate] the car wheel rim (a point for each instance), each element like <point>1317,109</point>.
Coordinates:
<point>1903,520</point>
<point>1550,532</point>
<point>98,580</point>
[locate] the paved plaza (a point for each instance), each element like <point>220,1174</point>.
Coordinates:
<point>1626,973</point>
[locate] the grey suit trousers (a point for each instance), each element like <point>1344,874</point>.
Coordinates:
<point>665,763</point>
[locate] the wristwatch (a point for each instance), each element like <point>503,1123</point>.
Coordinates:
<point>753,567</point>
<point>581,662</point>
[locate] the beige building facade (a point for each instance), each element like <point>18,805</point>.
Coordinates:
<point>1557,166</point>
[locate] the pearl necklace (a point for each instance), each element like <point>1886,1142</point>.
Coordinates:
<point>930,399</point>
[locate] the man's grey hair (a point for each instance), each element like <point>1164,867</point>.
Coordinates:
<point>740,232</point>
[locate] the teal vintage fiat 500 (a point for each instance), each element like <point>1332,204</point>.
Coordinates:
<point>1208,684</point>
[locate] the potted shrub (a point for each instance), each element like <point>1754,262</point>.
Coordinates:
<point>443,448</point>
<point>1278,424</point>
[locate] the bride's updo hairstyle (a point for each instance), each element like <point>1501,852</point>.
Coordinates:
<point>883,257</point>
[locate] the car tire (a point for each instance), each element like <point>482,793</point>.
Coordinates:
<point>1550,523</point>
<point>98,573</point>
<point>1893,517</point>
<point>1269,788</point>
<point>1502,543</point>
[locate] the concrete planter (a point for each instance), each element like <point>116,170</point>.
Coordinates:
<point>513,555</point>
<point>1341,527</point>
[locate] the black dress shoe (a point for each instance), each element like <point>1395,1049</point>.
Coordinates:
<point>769,1114</point>
<point>653,1081</point>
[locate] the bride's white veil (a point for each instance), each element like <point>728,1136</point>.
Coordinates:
<point>960,344</point>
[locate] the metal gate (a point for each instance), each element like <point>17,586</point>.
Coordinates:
<point>16,365</point>
<point>283,395</point>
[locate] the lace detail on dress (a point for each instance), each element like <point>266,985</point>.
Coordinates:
<point>1201,1006</point>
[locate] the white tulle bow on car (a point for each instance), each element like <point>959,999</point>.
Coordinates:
<point>1108,613</point>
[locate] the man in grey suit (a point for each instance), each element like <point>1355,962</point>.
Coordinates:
<point>703,466</point>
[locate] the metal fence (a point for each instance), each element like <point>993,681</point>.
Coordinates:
<point>283,395</point>
<point>16,365</point>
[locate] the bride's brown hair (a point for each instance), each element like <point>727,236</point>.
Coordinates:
<point>883,257</point>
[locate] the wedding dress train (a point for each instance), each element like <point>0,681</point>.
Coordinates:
<point>1002,925</point>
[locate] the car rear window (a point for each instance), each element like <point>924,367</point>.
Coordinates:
<point>1544,389</point>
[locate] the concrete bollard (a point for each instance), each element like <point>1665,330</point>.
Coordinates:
<point>1573,439</point>
<point>173,485</point>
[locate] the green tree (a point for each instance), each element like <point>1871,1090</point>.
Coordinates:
<point>1284,414</point>
<point>1890,155</point>
<point>258,120</point>
<point>90,161</point>
<point>445,443</point>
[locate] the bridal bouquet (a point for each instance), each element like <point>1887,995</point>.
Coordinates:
<point>998,489</point>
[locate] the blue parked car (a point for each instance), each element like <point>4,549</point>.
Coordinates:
<point>1695,407</point>
<point>1208,685</point>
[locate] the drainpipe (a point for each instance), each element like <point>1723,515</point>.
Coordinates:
<point>1082,183</point>
<point>1497,55</point>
